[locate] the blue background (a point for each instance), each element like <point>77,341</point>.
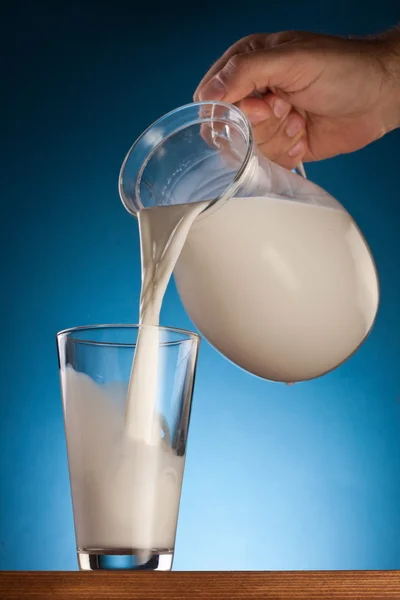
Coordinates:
<point>276,478</point>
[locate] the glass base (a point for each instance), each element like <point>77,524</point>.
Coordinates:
<point>124,560</point>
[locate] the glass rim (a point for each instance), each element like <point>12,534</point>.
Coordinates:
<point>186,333</point>
<point>236,181</point>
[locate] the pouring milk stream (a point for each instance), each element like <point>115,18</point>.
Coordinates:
<point>163,232</point>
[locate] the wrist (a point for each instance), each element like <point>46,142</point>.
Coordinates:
<point>391,88</point>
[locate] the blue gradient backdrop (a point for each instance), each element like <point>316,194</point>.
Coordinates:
<point>276,478</point>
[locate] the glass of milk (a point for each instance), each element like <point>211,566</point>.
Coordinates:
<point>125,490</point>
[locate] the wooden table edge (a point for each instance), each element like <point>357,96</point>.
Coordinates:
<point>199,585</point>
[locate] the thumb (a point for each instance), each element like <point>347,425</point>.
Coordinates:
<point>246,73</point>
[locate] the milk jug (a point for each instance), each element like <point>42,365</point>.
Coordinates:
<point>274,272</point>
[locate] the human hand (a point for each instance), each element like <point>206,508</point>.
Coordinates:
<point>318,96</point>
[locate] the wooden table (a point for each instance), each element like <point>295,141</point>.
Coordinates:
<point>304,585</point>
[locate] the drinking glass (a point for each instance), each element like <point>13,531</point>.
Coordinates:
<point>125,489</point>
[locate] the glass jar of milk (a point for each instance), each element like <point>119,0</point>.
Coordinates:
<point>271,269</point>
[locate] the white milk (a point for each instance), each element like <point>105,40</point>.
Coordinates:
<point>286,290</point>
<point>163,232</point>
<point>125,492</point>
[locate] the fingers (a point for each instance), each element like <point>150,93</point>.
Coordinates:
<point>247,44</point>
<point>246,73</point>
<point>250,43</point>
<point>279,131</point>
<point>260,64</point>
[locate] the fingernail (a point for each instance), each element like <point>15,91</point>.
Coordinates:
<point>280,108</point>
<point>293,127</point>
<point>297,149</point>
<point>213,90</point>
<point>255,119</point>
